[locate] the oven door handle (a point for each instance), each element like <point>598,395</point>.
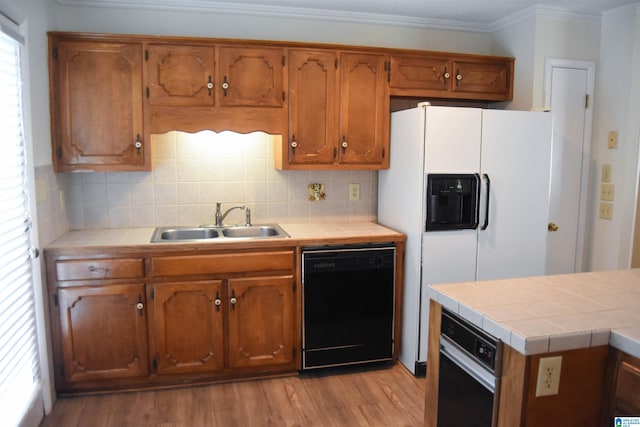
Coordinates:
<point>467,364</point>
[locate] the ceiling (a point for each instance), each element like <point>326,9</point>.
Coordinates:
<point>427,13</point>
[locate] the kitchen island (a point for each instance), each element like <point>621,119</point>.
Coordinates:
<point>592,320</point>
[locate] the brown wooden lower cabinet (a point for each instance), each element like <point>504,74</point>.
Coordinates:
<point>623,389</point>
<point>187,327</point>
<point>103,332</point>
<point>199,318</point>
<point>261,321</point>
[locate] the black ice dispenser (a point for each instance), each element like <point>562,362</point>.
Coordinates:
<point>452,201</point>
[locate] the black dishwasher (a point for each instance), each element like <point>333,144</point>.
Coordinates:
<point>348,304</point>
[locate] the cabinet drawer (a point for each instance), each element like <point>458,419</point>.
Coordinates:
<point>222,263</point>
<point>88,269</point>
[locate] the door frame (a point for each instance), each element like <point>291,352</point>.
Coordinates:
<point>590,68</point>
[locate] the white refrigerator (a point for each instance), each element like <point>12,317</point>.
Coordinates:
<point>510,154</point>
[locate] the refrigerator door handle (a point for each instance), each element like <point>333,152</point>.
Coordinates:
<point>486,213</point>
<point>476,219</point>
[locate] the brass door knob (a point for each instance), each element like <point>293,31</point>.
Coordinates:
<point>552,226</point>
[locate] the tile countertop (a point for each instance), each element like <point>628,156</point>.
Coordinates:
<point>304,233</point>
<point>545,314</point>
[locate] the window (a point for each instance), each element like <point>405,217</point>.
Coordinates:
<point>19,367</point>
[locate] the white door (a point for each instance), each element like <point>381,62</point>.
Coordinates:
<point>568,83</point>
<point>516,157</point>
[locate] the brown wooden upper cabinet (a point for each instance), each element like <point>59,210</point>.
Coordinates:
<point>185,75</point>
<point>180,75</point>
<point>211,86</point>
<point>338,111</point>
<point>466,77</point>
<point>330,104</point>
<point>97,106</point>
<point>252,76</point>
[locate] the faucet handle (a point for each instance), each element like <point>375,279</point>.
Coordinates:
<point>247,212</point>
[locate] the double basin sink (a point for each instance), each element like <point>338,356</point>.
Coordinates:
<point>211,233</point>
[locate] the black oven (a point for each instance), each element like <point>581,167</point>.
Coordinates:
<point>468,382</point>
<point>348,304</point>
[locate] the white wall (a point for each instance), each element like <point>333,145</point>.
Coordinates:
<point>617,107</point>
<point>541,34</point>
<point>517,39</point>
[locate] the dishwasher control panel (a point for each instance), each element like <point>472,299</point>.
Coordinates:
<point>469,338</point>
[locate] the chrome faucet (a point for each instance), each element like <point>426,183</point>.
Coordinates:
<point>221,216</point>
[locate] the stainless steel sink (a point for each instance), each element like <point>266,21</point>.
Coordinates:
<point>252,231</point>
<point>192,233</point>
<point>248,232</point>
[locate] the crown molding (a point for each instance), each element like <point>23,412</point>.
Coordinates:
<point>229,8</point>
<point>545,11</point>
<point>243,9</point>
<point>631,9</point>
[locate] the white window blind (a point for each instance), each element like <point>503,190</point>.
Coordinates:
<point>19,368</point>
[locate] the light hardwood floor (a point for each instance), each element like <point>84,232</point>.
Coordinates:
<point>372,397</point>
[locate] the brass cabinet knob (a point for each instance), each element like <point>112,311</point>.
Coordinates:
<point>552,226</point>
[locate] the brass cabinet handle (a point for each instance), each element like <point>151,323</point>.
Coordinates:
<point>552,226</point>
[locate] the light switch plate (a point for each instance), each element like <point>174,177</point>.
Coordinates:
<point>606,173</point>
<point>612,141</point>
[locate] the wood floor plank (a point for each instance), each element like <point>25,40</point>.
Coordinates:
<point>355,397</point>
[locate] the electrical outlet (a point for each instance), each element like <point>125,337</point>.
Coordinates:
<point>606,192</point>
<point>354,191</point>
<point>606,210</point>
<point>549,376</point>
<point>612,141</point>
<point>606,173</point>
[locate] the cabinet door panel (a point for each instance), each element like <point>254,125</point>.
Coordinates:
<point>188,327</point>
<point>364,110</point>
<point>481,77</point>
<point>261,321</point>
<point>414,72</point>
<point>251,77</point>
<point>627,398</point>
<point>99,109</point>
<point>180,75</point>
<point>313,107</point>
<point>104,333</point>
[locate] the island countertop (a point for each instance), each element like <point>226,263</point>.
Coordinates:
<point>544,314</point>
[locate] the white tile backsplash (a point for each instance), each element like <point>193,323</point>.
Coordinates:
<point>193,171</point>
